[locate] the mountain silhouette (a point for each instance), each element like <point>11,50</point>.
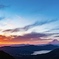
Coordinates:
<point>24,52</point>
<point>4,55</point>
<point>27,49</point>
<point>51,55</point>
<point>54,42</point>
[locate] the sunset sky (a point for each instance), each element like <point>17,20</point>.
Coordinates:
<point>29,21</point>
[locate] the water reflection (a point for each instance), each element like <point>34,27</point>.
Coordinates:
<point>41,52</point>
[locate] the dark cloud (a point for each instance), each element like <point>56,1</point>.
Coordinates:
<point>30,26</point>
<point>30,36</point>
<point>27,37</point>
<point>13,30</point>
<point>35,35</point>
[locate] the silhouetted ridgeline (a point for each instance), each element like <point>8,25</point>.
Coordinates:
<point>24,52</point>
<point>4,55</point>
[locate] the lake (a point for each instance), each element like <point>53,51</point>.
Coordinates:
<point>40,52</point>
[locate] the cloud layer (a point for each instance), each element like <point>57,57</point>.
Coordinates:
<point>30,26</point>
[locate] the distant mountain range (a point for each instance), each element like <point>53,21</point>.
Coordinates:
<point>24,52</point>
<point>54,54</point>
<point>27,49</point>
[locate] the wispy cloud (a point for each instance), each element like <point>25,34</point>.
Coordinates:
<point>37,23</point>
<point>54,29</point>
<point>57,36</point>
<point>12,30</point>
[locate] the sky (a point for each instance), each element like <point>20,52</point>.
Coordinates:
<point>29,21</point>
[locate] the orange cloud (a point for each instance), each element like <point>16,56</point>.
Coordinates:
<point>20,40</point>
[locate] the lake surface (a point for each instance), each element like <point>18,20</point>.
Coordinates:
<point>41,52</point>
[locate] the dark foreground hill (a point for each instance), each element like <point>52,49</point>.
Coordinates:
<point>4,55</point>
<point>51,55</point>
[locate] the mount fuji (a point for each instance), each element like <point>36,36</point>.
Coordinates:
<point>54,42</point>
